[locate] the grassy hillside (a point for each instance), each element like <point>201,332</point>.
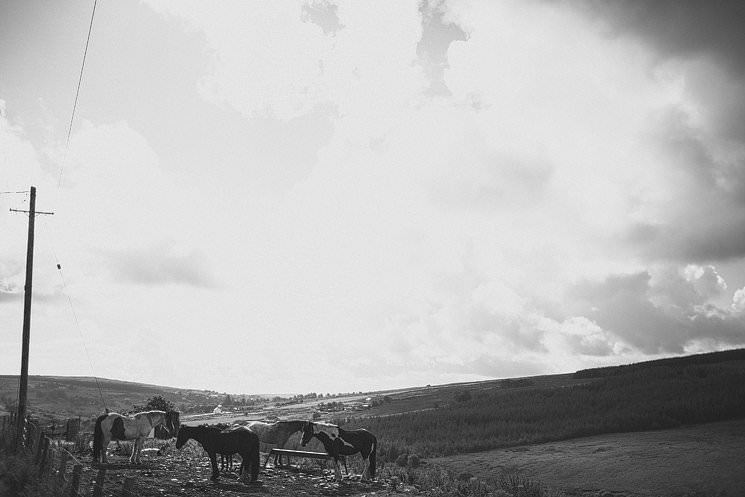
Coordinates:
<point>65,396</point>
<point>662,394</point>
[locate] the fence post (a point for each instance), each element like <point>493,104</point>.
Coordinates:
<point>129,483</point>
<point>98,486</point>
<point>44,455</point>
<point>75,483</point>
<point>62,468</point>
<point>39,448</point>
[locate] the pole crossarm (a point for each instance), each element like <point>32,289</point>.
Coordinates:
<point>35,212</point>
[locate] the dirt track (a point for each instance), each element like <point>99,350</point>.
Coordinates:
<point>703,460</point>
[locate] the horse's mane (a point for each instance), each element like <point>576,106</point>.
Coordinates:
<point>143,413</point>
<point>328,428</point>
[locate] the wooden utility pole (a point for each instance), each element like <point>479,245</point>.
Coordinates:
<point>23,388</point>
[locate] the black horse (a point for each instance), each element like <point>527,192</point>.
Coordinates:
<point>238,441</point>
<point>339,442</point>
<point>226,460</point>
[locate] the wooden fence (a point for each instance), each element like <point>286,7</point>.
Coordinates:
<point>53,460</point>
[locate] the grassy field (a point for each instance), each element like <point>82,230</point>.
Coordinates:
<point>703,460</point>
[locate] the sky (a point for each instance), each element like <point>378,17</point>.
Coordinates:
<point>327,196</point>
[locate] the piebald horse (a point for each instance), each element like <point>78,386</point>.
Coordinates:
<point>276,434</point>
<point>339,442</point>
<point>113,426</point>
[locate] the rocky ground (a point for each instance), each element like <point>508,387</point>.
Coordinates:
<point>187,476</point>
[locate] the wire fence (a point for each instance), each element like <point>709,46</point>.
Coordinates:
<point>58,470</point>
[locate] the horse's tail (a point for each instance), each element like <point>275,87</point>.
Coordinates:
<point>373,457</point>
<point>98,437</point>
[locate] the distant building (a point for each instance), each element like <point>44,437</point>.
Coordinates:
<point>217,410</point>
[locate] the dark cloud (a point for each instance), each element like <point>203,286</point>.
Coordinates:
<point>437,35</point>
<point>657,316</point>
<point>680,28</point>
<point>155,266</point>
<point>324,15</point>
<point>704,220</point>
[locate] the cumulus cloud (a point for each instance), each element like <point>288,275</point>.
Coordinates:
<point>664,312</point>
<point>679,28</point>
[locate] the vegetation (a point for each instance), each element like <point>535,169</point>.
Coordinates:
<point>439,482</point>
<point>661,395</point>
<point>155,403</point>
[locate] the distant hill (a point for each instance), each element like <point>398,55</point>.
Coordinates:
<point>689,360</point>
<point>65,396</point>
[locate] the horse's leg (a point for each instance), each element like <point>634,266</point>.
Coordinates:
<point>366,471</point>
<point>213,460</point>
<point>135,457</point>
<point>337,469</point>
<point>104,448</point>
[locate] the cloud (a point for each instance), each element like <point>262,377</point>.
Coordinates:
<point>160,265</point>
<point>324,14</point>
<point>437,35</point>
<point>664,312</point>
<point>686,29</point>
<point>738,301</point>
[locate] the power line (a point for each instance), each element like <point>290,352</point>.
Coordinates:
<point>77,323</point>
<point>77,92</point>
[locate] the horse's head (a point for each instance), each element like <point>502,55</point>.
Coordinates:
<point>307,433</point>
<point>183,436</point>
<point>173,422</point>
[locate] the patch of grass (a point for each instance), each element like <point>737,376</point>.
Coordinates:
<point>19,476</point>
<point>435,481</point>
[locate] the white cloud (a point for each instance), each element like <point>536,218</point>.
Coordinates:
<point>738,301</point>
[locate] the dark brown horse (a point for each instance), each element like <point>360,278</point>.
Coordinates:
<point>213,440</point>
<point>339,442</point>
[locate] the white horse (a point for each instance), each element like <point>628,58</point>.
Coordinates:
<point>113,426</point>
<point>276,434</point>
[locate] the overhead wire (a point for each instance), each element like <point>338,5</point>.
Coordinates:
<point>77,91</point>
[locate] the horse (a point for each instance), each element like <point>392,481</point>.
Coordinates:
<point>238,440</point>
<point>339,442</point>
<point>277,433</point>
<point>226,460</point>
<point>113,426</point>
